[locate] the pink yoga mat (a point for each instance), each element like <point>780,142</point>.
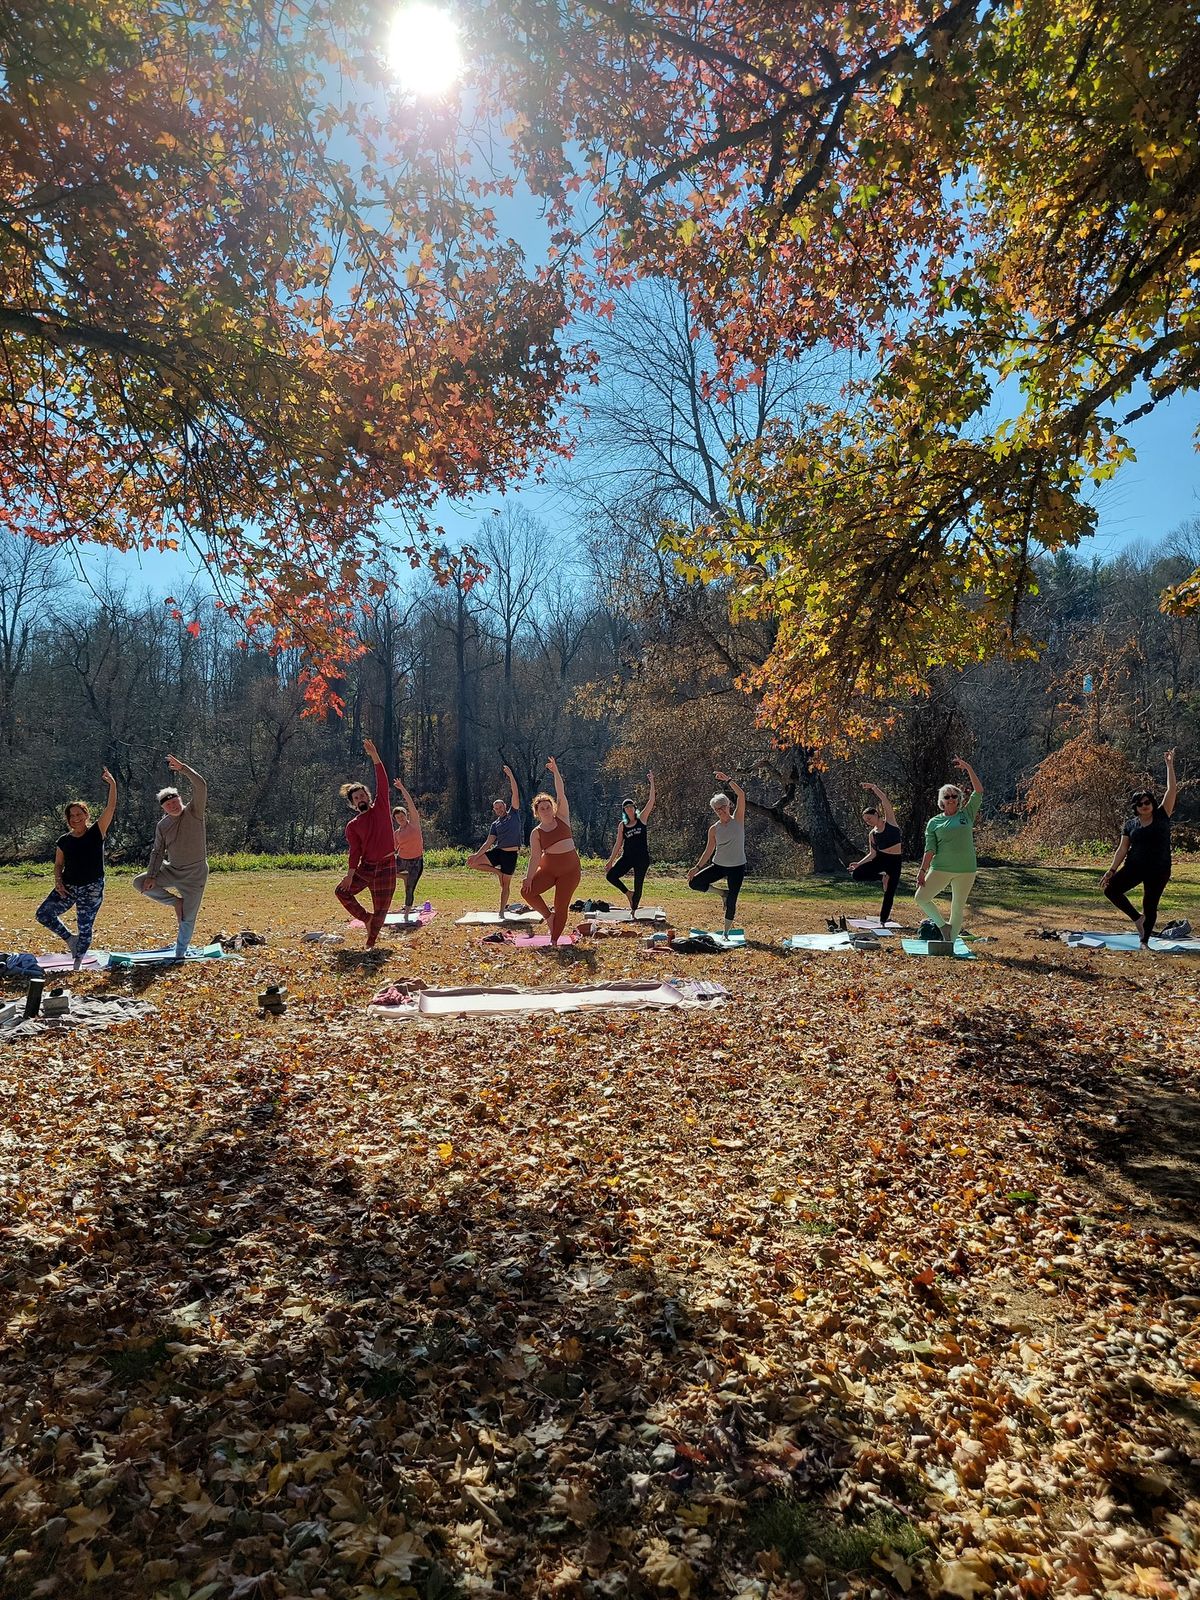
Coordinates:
<point>64,963</point>
<point>540,941</point>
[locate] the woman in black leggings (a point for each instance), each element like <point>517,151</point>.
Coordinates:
<point>884,858</point>
<point>631,849</point>
<point>1143,856</point>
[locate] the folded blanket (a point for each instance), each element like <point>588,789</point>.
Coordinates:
<point>93,1012</point>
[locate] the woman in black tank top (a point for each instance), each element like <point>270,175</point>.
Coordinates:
<point>884,857</point>
<point>631,848</point>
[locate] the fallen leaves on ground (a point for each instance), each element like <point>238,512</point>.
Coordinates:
<point>883,1279</point>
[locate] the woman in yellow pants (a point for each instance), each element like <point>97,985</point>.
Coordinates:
<point>949,861</point>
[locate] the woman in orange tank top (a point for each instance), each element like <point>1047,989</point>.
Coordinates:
<point>553,858</point>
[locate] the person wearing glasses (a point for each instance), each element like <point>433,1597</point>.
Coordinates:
<point>1143,855</point>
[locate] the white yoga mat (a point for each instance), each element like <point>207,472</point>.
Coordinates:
<point>1130,941</point>
<point>871,925</point>
<point>493,919</point>
<point>511,1000</point>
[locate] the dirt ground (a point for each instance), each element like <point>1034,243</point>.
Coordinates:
<point>882,1278</point>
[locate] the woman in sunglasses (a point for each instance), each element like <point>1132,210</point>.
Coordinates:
<point>1143,856</point>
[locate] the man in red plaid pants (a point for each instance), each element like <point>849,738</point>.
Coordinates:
<point>372,851</point>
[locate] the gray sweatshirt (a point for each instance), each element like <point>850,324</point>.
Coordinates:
<point>181,841</point>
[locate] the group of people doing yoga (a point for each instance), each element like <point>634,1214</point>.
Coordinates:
<point>385,846</point>
<point>949,864</point>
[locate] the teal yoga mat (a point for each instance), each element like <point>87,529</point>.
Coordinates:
<point>920,947</point>
<point>150,958</point>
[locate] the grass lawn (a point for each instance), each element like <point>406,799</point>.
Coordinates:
<point>882,1278</point>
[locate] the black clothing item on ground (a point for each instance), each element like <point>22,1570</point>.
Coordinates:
<point>1149,842</point>
<point>83,857</point>
<point>733,876</point>
<point>889,869</point>
<point>1128,877</point>
<point>639,869</point>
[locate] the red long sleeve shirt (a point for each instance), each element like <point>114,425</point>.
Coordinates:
<point>369,834</point>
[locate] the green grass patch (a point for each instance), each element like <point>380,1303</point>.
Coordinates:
<point>796,1530</point>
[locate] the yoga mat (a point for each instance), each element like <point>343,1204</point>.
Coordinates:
<point>492,919</point>
<point>509,999</point>
<point>871,924</point>
<point>920,947</point>
<point>540,941</point>
<point>397,919</point>
<point>817,941</point>
<point>642,914</point>
<point>1130,941</point>
<point>735,939</point>
<point>150,958</point>
<point>94,961</point>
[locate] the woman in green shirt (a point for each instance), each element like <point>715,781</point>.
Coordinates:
<point>949,860</point>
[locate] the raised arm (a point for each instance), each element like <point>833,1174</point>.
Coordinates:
<point>885,805</point>
<point>1172,789</point>
<point>965,766</point>
<point>410,804</point>
<point>199,799</point>
<point>104,820</point>
<point>650,801</point>
<point>514,794</point>
<point>382,786</point>
<point>560,793</point>
<point>739,810</point>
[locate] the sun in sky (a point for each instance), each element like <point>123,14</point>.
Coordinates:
<point>423,48</point>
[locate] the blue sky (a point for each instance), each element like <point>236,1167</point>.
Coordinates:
<point>1146,500</point>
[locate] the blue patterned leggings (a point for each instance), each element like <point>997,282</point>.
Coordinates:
<point>86,898</point>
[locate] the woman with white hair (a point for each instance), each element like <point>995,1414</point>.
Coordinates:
<point>949,861</point>
<point>725,849</point>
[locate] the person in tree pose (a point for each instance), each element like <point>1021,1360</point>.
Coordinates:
<point>553,858</point>
<point>949,861</point>
<point>79,873</point>
<point>178,868</point>
<point>499,851</point>
<point>884,857</point>
<point>409,845</point>
<point>372,860</point>
<point>1143,855</point>
<point>725,849</point>
<point>631,848</point>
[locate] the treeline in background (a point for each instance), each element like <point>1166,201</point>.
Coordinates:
<point>601,655</point>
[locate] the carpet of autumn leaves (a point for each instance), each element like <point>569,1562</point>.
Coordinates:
<point>884,1278</point>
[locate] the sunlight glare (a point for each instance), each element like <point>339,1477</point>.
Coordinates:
<point>423,48</point>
